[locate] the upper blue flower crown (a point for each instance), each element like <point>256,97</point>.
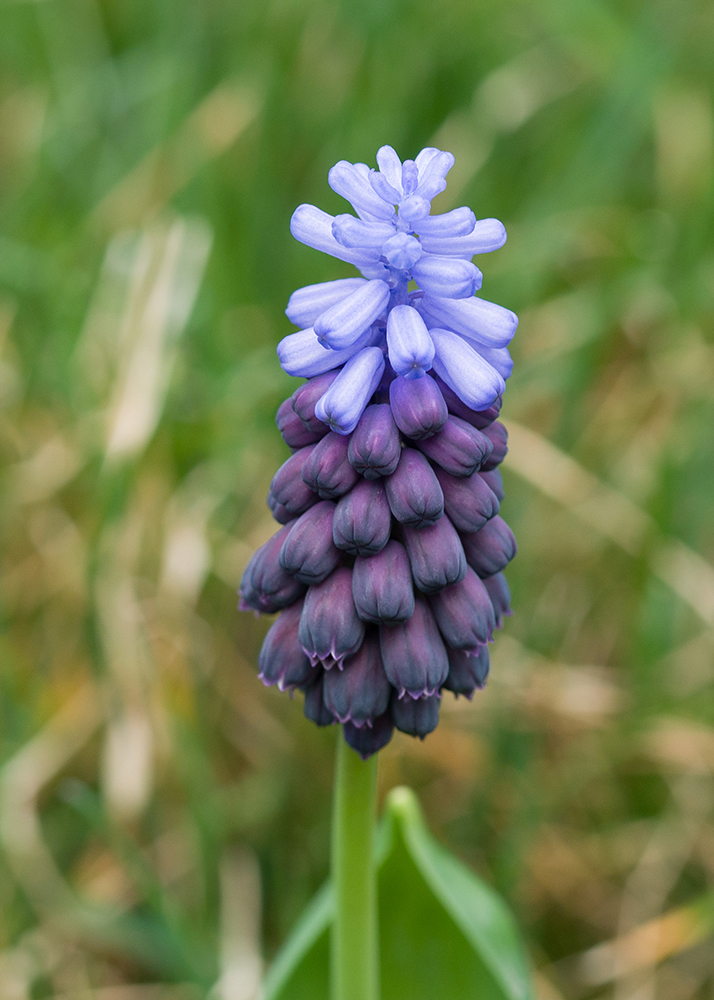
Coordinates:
<point>355,322</point>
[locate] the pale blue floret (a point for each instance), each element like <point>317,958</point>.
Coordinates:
<point>344,402</point>
<point>394,241</point>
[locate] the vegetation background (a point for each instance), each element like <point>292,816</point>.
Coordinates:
<point>163,818</point>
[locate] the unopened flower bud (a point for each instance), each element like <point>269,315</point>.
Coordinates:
<point>327,469</point>
<point>500,594</point>
<point>494,481</point>
<point>490,550</point>
<point>367,740</point>
<point>288,487</point>
<point>266,587</point>
<point>479,419</point>
<point>464,613</point>
<point>330,628</point>
<point>306,396</point>
<point>415,717</point>
<point>309,552</point>
<point>413,491</point>
<point>294,432</point>
<point>414,654</point>
<point>498,436</point>
<point>375,446</point>
<point>435,554</point>
<point>458,448</point>
<point>363,519</point>
<point>468,502</point>
<point>382,586</point>
<point>467,671</point>
<point>281,660</point>
<point>281,513</point>
<point>359,693</point>
<point>418,406</point>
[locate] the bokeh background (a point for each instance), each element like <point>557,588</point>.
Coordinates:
<point>163,818</point>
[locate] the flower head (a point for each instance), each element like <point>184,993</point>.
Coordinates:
<point>388,570</point>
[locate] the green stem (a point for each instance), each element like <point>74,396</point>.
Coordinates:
<point>354,964</point>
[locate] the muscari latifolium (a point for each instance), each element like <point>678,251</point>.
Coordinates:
<point>387,572</point>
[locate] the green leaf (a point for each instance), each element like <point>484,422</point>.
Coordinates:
<point>443,932</point>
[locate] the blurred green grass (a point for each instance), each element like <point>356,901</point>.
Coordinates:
<point>163,819</point>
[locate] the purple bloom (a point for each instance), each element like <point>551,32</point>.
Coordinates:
<point>363,519</point>
<point>367,740</point>
<point>500,594</point>
<point>315,708</point>
<point>327,470</point>
<point>418,406</point>
<point>464,613</point>
<point>469,502</point>
<point>305,398</point>
<point>282,660</point>
<point>382,586</point>
<point>266,587</point>
<point>477,418</point>
<point>490,550</point>
<point>435,554</point>
<point>343,403</point>
<point>413,491</point>
<point>494,481</point>
<point>330,628</point>
<point>288,487</point>
<point>498,436</point>
<point>359,693</point>
<point>467,671</point>
<point>279,511</point>
<point>458,448</point>
<point>414,654</point>
<point>292,429</point>
<point>375,445</point>
<point>416,717</point>
<point>309,552</point>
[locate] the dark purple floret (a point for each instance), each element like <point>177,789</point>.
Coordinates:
<point>490,550</point>
<point>308,552</point>
<point>414,654</point>
<point>288,487</point>
<point>330,628</point>
<point>468,502</point>
<point>282,660</point>
<point>458,448</point>
<point>479,419</point>
<point>305,397</point>
<point>467,671</point>
<point>464,613</point>
<point>315,708</point>
<point>367,740</point>
<point>418,406</point>
<point>413,491</point>
<point>359,693</point>
<point>327,470</point>
<point>494,481</point>
<point>435,554</point>
<point>294,432</point>
<point>500,594</point>
<point>382,586</point>
<point>375,445</point>
<point>266,587</point>
<point>498,436</point>
<point>416,717</point>
<point>281,513</point>
<point>363,519</point>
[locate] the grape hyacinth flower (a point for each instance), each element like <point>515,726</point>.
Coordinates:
<point>387,571</point>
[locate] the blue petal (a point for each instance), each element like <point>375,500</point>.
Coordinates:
<point>472,378</point>
<point>391,166</point>
<point>410,177</point>
<point>303,355</point>
<point>345,400</point>
<point>425,157</point>
<point>411,350</point>
<point>414,208</point>
<point>459,222</point>
<point>450,277</point>
<point>486,323</point>
<point>347,320</point>
<point>499,358</point>
<point>349,182</point>
<point>432,179</point>
<point>402,251</point>
<point>313,227</point>
<point>384,189</point>
<point>306,304</point>
<point>351,232</point>
<point>487,235</point>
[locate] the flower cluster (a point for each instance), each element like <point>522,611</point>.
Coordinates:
<point>387,572</point>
